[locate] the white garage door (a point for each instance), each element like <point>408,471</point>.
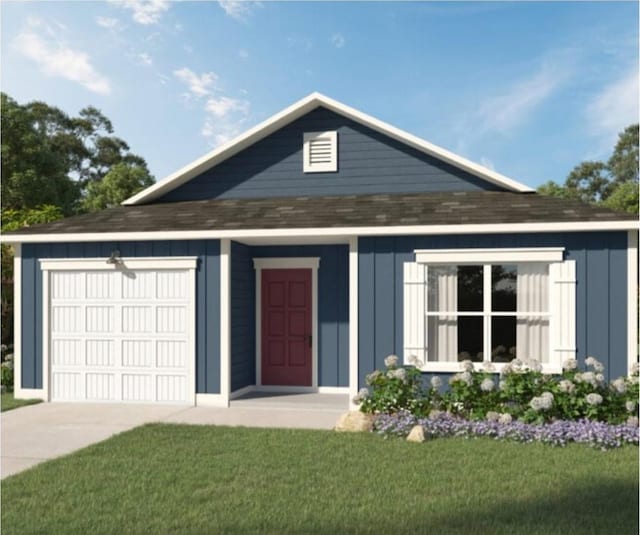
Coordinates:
<point>122,336</point>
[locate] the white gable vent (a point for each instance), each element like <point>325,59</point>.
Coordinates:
<point>320,152</point>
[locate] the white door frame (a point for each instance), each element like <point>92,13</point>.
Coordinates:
<point>311,263</point>
<point>100,264</point>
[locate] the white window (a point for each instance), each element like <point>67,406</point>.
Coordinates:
<point>320,152</point>
<point>489,305</point>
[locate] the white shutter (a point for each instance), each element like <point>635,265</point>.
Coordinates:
<point>562,278</point>
<point>414,311</point>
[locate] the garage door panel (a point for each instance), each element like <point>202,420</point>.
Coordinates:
<point>138,285</point>
<point>100,386</point>
<point>99,319</point>
<point>67,386</point>
<point>122,336</point>
<point>67,352</point>
<point>100,285</point>
<point>171,319</point>
<point>137,387</point>
<point>101,353</point>
<point>66,319</point>
<point>171,387</point>
<point>137,319</point>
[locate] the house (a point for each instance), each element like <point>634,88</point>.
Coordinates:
<point>299,255</point>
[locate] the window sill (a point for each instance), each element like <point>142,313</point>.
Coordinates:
<point>455,367</point>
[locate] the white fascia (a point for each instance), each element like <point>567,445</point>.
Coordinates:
<point>296,111</point>
<point>326,233</point>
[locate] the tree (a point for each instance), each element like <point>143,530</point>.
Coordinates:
<point>121,182</point>
<point>613,183</point>
<point>50,157</point>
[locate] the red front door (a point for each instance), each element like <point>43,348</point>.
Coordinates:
<point>286,327</point>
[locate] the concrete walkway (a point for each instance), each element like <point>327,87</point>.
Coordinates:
<point>37,433</point>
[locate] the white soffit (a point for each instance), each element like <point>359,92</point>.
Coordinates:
<point>297,110</point>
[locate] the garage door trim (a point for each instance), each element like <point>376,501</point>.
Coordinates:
<point>187,263</point>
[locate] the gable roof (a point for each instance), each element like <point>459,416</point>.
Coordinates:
<point>447,212</point>
<point>296,111</point>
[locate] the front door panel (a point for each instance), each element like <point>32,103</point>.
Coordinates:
<point>286,327</point>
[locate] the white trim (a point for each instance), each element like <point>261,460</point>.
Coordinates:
<point>151,262</point>
<point>325,232</point>
<point>17,321</point>
<point>311,263</point>
<point>301,389</point>
<point>454,367</point>
<point>353,321</point>
<point>241,391</point>
<point>30,393</point>
<point>489,256</point>
<point>632,297</point>
<point>326,167</point>
<point>287,263</point>
<point>292,113</point>
<point>46,333</point>
<point>225,320</point>
<point>211,400</point>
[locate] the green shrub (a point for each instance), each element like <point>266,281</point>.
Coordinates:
<point>6,367</point>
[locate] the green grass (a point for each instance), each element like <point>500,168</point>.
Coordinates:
<point>8,402</point>
<point>194,479</point>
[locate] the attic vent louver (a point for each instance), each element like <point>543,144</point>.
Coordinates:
<point>320,152</point>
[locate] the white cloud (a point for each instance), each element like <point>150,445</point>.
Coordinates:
<point>145,59</point>
<point>56,59</point>
<point>238,9</point>
<point>107,22</point>
<point>198,85</point>
<point>614,108</point>
<point>503,112</point>
<point>337,40</point>
<point>223,106</point>
<point>144,11</point>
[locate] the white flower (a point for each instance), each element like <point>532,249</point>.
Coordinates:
<point>635,368</point>
<point>570,364</point>
<point>534,365</point>
<point>466,377</point>
<point>516,363</point>
<point>467,365</point>
<point>536,404</point>
<point>594,363</point>
<point>566,386</point>
<point>398,373</point>
<point>599,378</point>
<point>587,377</point>
<point>502,384</point>
<point>542,403</point>
<point>436,382</point>
<point>506,369</point>
<point>488,367</point>
<point>362,394</point>
<point>548,395</point>
<point>505,418</point>
<point>633,421</point>
<point>593,399</point>
<point>372,376</point>
<point>391,361</point>
<point>435,413</point>
<point>493,416</point>
<point>630,406</point>
<point>415,361</point>
<point>619,385</point>
<point>487,385</point>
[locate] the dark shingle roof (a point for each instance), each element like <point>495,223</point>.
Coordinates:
<point>448,208</point>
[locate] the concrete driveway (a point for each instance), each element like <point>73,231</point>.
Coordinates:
<point>36,433</point>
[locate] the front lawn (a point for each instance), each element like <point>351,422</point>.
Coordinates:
<point>195,479</point>
<point>8,402</point>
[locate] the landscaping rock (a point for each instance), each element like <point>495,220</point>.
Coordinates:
<point>355,421</point>
<point>416,434</point>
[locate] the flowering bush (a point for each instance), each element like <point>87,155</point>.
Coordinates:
<point>6,368</point>
<point>558,433</point>
<point>520,392</point>
<point>397,388</point>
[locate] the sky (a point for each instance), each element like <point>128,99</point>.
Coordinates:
<point>527,89</point>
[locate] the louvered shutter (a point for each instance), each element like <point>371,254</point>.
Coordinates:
<point>320,152</point>
<point>414,311</point>
<point>562,279</point>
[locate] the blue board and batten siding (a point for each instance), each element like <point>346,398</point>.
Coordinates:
<point>368,162</point>
<point>207,299</point>
<point>601,290</point>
